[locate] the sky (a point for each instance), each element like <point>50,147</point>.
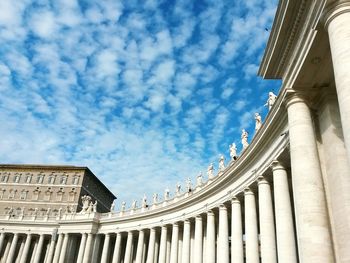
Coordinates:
<point>145,93</point>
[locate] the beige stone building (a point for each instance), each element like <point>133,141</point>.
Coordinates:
<point>43,189</point>
<point>285,198</point>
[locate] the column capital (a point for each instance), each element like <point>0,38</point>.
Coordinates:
<point>276,165</point>
<point>176,224</point>
<point>333,10</point>
<point>292,96</point>
<point>222,207</point>
<point>210,213</point>
<point>262,180</point>
<point>198,217</point>
<point>235,200</point>
<point>248,191</point>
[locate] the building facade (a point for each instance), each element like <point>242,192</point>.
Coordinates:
<point>285,199</point>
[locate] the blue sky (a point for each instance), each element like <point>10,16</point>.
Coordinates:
<point>144,93</point>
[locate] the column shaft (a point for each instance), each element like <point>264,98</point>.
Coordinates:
<point>223,247</point>
<point>64,248</point>
<point>2,238</point>
<point>51,250</point>
<point>39,249</point>
<point>82,248</point>
<point>162,248</point>
<point>236,232</point>
<point>128,249</point>
<point>140,244</point>
<point>309,193</point>
<point>117,248</point>
<point>105,249</point>
<point>267,224</point>
<point>186,242</point>
<point>210,248</point>
<point>26,249</point>
<point>58,248</point>
<point>11,255</point>
<point>151,246</point>
<point>88,248</point>
<point>174,244</point>
<point>198,240</point>
<point>251,228</point>
<point>286,249</point>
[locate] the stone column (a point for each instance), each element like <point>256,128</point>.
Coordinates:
<point>162,248</point>
<point>7,249</point>
<point>210,248</point>
<point>64,248</point>
<point>174,244</point>
<point>117,248</point>
<point>309,194</point>
<point>186,243</point>
<point>2,238</point>
<point>198,240</point>
<point>286,248</point>
<point>105,249</point>
<point>223,247</point>
<point>26,249</point>
<point>11,255</point>
<point>88,248</point>
<point>39,249</point>
<point>151,245</point>
<point>128,249</point>
<point>58,248</point>
<point>337,24</point>
<point>20,251</point>
<point>140,244</point>
<point>51,252</point>
<point>236,232</point>
<point>82,248</point>
<point>251,227</point>
<point>267,224</point>
<point>95,249</point>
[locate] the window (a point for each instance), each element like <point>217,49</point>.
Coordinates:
<point>40,179</point>
<point>52,179</point>
<point>2,191</point>
<point>76,179</point>
<point>16,178</point>
<point>28,178</point>
<point>23,195</point>
<point>4,178</point>
<point>63,179</point>
<point>12,194</point>
<point>60,194</point>
<point>36,193</point>
<point>48,194</point>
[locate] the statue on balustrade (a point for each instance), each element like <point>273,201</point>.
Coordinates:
<point>144,201</point>
<point>221,163</point>
<point>258,121</point>
<point>134,205</point>
<point>155,198</point>
<point>233,151</point>
<point>244,138</point>
<point>166,194</point>
<point>178,189</point>
<point>199,179</point>
<point>86,199</point>
<point>94,207</point>
<point>113,206</point>
<point>188,185</point>
<point>122,208</point>
<point>210,171</point>
<point>271,100</point>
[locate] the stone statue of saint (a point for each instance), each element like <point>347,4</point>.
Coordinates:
<point>244,138</point>
<point>271,100</point>
<point>210,171</point>
<point>90,208</point>
<point>86,202</point>
<point>258,122</point>
<point>178,189</point>
<point>112,207</point>
<point>122,209</point>
<point>188,185</point>
<point>199,179</point>
<point>134,205</point>
<point>94,207</point>
<point>222,163</point>
<point>233,151</point>
<point>166,194</point>
<point>144,201</point>
<point>155,198</point>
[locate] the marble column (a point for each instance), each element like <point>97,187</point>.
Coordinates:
<point>82,247</point>
<point>309,193</point>
<point>140,245</point>
<point>251,227</point>
<point>11,255</point>
<point>198,240</point>
<point>223,246</point>
<point>174,244</point>
<point>26,248</point>
<point>58,248</point>
<point>105,248</point>
<point>7,249</point>
<point>88,248</point>
<point>64,248</point>
<point>151,246</point>
<point>95,249</point>
<point>128,249</point>
<point>2,238</point>
<point>186,243</point>
<point>39,249</point>
<point>117,248</point>
<point>20,251</point>
<point>338,24</point>
<point>266,222</point>
<point>210,240</point>
<point>286,249</point>
<point>236,232</point>
<point>162,248</point>
<point>51,251</point>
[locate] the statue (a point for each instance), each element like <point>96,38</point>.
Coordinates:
<point>122,208</point>
<point>222,163</point>
<point>94,207</point>
<point>144,201</point>
<point>271,100</point>
<point>85,199</point>
<point>89,210</point>
<point>199,179</point>
<point>244,138</point>
<point>112,207</point>
<point>210,171</point>
<point>60,212</point>
<point>35,211</point>
<point>10,211</point>
<point>134,205</point>
<point>155,198</point>
<point>233,151</point>
<point>47,211</point>
<point>166,194</point>
<point>258,122</point>
<point>178,189</point>
<point>188,185</point>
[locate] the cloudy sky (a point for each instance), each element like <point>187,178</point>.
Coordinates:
<point>144,93</point>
